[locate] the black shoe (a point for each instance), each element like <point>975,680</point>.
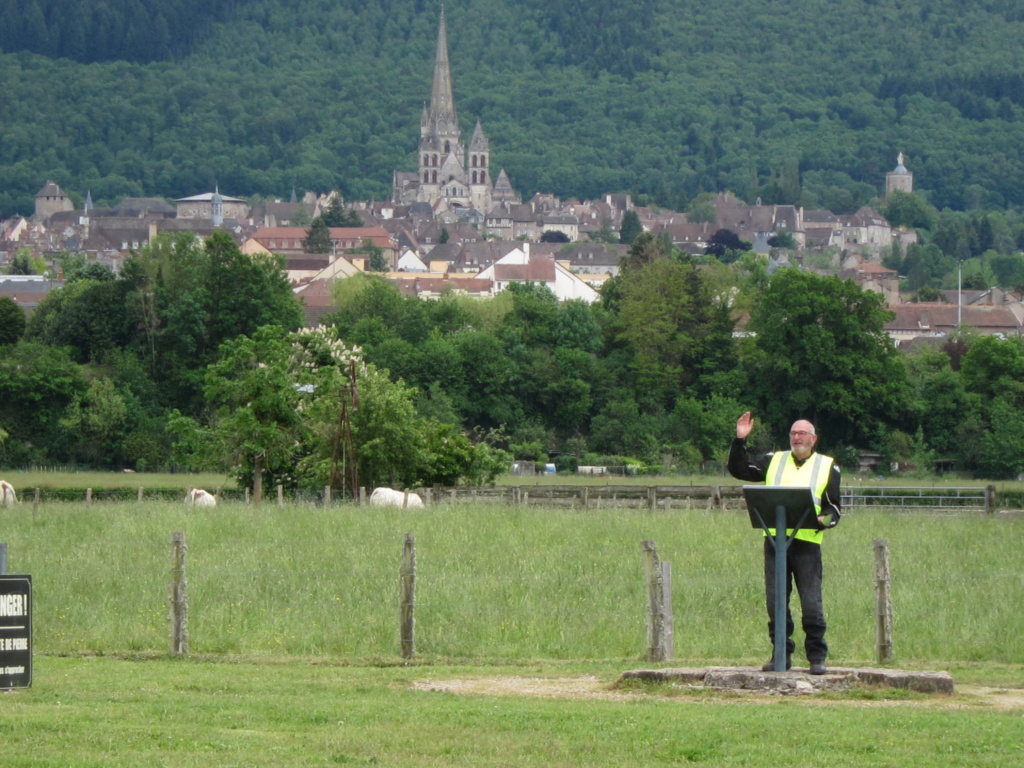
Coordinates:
<point>769,666</point>
<point>818,668</point>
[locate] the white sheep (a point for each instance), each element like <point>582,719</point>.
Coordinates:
<point>197,497</point>
<point>8,498</point>
<point>388,497</point>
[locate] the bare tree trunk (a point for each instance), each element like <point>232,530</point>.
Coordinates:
<point>257,480</point>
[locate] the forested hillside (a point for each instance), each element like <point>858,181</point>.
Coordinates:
<point>806,101</point>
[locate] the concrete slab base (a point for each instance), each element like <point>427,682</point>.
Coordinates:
<point>795,680</point>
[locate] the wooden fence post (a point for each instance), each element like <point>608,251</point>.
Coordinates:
<point>327,495</point>
<point>883,602</point>
<point>140,494</point>
<point>179,596</point>
<point>35,502</point>
<point>88,495</point>
<point>667,617</point>
<point>655,603</point>
<point>407,622</point>
<point>280,496</point>
<point>990,498</point>
<point>362,495</point>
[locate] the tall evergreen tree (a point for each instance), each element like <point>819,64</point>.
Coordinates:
<point>318,237</point>
<point>630,229</point>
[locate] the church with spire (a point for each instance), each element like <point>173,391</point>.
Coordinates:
<point>450,176</point>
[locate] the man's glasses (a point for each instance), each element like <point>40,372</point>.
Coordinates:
<point>799,433</point>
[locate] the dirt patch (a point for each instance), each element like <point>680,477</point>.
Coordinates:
<point>593,688</point>
<point>543,687</point>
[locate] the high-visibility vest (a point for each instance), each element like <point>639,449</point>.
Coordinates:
<point>813,474</point>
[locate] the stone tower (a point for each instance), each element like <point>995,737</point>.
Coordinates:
<point>480,170</point>
<point>51,199</point>
<point>442,154</point>
<point>899,178</point>
<point>449,177</point>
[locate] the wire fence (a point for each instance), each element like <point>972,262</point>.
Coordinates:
<point>651,497</point>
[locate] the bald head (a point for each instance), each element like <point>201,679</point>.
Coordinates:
<point>802,438</point>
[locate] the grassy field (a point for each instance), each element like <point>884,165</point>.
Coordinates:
<point>256,712</point>
<point>25,480</point>
<point>293,629</point>
<point>498,582</point>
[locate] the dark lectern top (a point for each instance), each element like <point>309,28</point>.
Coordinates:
<point>763,502</point>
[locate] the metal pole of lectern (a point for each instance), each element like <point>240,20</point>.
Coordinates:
<point>792,507</point>
<point>781,561</point>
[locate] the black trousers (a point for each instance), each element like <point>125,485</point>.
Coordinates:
<point>803,565</point>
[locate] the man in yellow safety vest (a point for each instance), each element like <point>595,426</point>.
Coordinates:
<point>799,466</point>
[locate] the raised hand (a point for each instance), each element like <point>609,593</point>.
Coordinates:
<point>744,425</point>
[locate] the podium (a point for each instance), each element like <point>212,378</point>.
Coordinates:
<point>788,508</point>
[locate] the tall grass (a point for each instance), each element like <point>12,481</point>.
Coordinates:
<point>25,480</point>
<point>498,582</point>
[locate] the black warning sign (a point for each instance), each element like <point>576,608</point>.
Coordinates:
<point>15,631</point>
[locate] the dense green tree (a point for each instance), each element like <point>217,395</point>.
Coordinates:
<point>372,309</point>
<point>905,209</point>
<point>23,262</point>
<point>726,245</point>
<point>189,296</point>
<point>1002,444</point>
<point>533,316</point>
<point>89,316</point>
<point>994,367</point>
<point>37,384</point>
<point>12,321</point>
<point>1008,269</point>
<point>673,329</point>
<point>486,399</point>
<point>929,293</point>
<point>782,240</point>
<point>256,395</point>
<point>942,401</point>
<point>623,428</point>
<point>576,327</point>
<point>77,267</point>
<point>95,422</point>
<point>819,351</point>
<point>707,426</point>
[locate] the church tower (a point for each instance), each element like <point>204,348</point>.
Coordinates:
<point>899,179</point>
<point>449,178</point>
<point>480,170</point>
<point>442,154</point>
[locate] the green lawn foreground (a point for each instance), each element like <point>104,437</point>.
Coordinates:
<point>293,629</point>
<point>85,712</point>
